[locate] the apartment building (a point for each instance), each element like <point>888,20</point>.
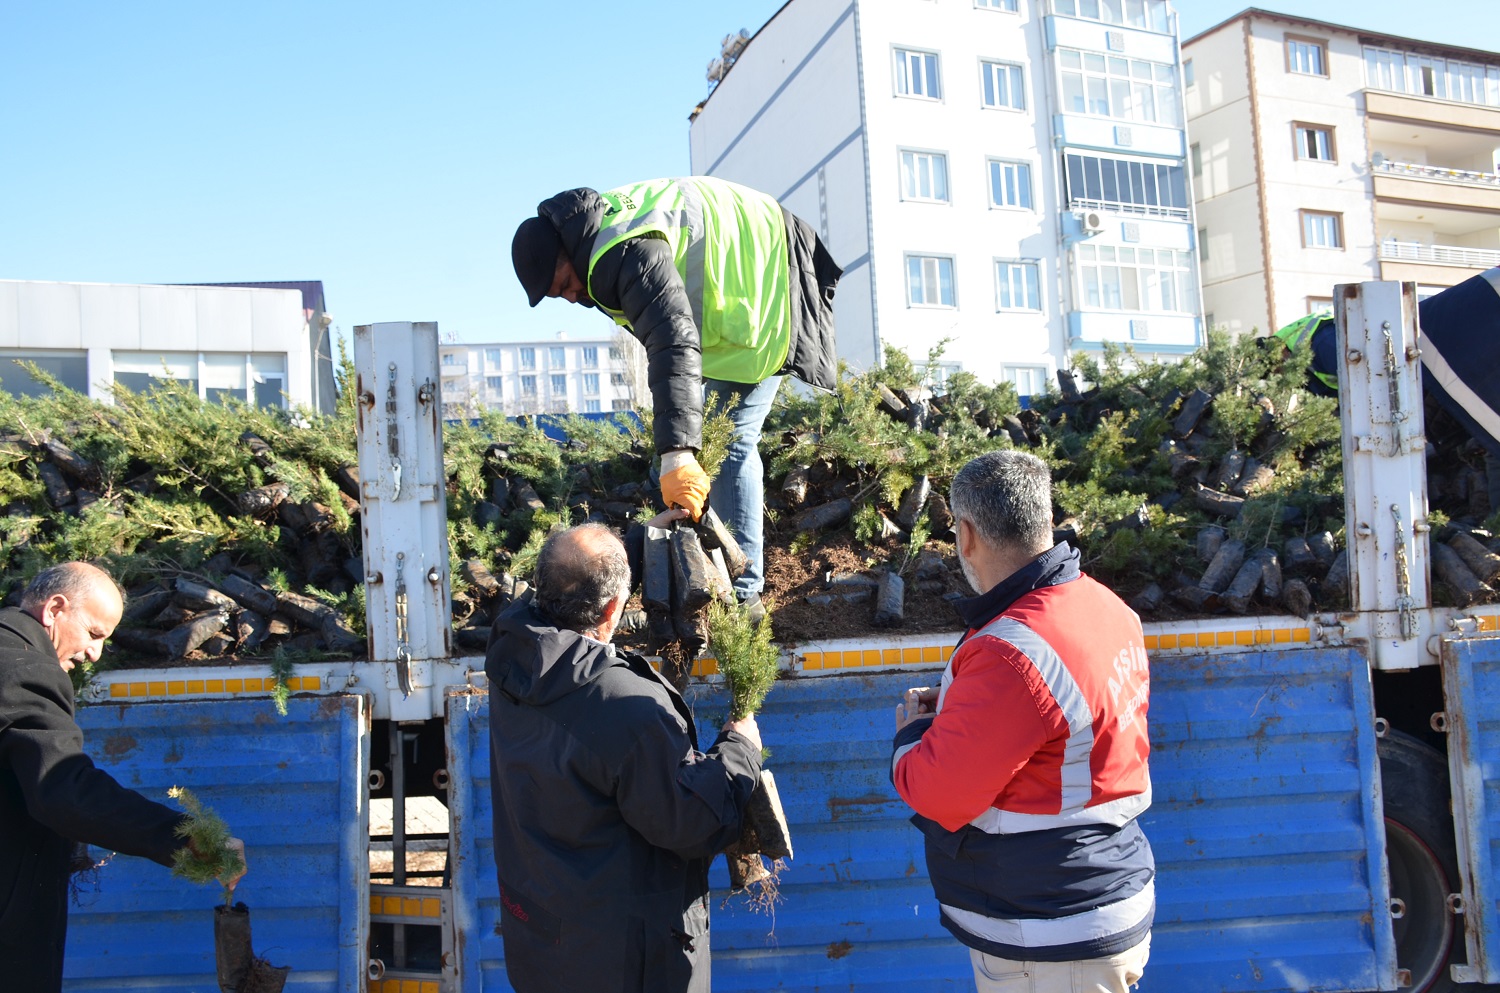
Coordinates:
<point>1323,154</point>
<point>552,376</point>
<point>1006,174</point>
<point>263,343</point>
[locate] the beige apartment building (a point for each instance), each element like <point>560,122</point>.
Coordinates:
<point>1323,154</point>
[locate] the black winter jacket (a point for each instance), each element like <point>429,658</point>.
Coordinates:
<point>606,814</point>
<point>639,278</point>
<point>50,796</point>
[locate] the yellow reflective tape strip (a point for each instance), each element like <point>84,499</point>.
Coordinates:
<point>119,689</point>
<point>393,906</point>
<point>870,657</point>
<point>429,987</point>
<point>911,655</point>
<point>158,688</point>
<point>891,656</point>
<point>432,907</point>
<point>374,903</point>
<point>932,653</point>
<point>852,659</point>
<point>411,907</point>
<point>812,660</point>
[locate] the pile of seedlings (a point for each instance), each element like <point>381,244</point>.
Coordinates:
<point>1208,485</point>
<point>235,530</point>
<point>1211,485</point>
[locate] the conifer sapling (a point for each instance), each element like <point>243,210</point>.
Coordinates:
<point>207,856</point>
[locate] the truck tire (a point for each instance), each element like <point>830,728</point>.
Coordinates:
<point>1421,853</point>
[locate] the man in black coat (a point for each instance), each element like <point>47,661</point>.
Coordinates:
<point>51,795</point>
<point>606,813</point>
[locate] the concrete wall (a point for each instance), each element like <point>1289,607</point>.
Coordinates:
<point>1291,185</point>
<point>787,120</point>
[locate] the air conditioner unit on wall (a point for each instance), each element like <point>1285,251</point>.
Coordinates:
<point>1092,221</point>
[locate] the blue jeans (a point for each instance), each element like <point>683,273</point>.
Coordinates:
<point>738,494</point>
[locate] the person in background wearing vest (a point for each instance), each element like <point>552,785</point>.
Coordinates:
<point>1315,332</point>
<point>727,290</point>
<point>1027,766</point>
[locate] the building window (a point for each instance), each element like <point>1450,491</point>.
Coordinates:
<point>528,358</point>
<point>1150,15</point>
<point>1136,279</point>
<point>1203,244</point>
<point>1188,76</point>
<point>1111,86</point>
<point>557,358</point>
<point>258,378</point>
<point>591,383</point>
<point>1307,56</point>
<point>924,176</point>
<point>1314,142</point>
<point>1010,184</point>
<point>559,383</point>
<point>492,356</point>
<point>617,379</point>
<point>1319,305</point>
<point>591,357</point>
<point>1029,380</point>
<point>1445,79</point>
<point>528,386</point>
<point>591,406</point>
<point>71,368</point>
<point>929,281</point>
<point>615,353</point>
<point>1322,230</point>
<point>1017,286</point>
<point>619,405</point>
<point>450,358</point>
<point>495,383</point>
<point>917,74</point>
<point>1195,155</point>
<point>1097,182</point>
<point>1014,6</point>
<point>1004,85</point>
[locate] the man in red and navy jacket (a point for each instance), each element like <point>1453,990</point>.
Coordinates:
<point>1027,766</point>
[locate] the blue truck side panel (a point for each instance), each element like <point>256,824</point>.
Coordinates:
<point>1471,680</point>
<point>292,787</point>
<point>1266,826</point>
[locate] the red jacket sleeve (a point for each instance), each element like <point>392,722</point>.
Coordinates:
<point>993,720</point>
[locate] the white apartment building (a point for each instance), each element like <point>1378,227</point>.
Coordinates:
<point>264,343</point>
<point>1007,174</point>
<point>1324,154</point>
<point>551,376</point>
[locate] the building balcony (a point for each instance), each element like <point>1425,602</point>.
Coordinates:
<point>1412,182</point>
<point>1139,209</point>
<point>1433,265</point>
<point>1452,255</point>
<point>1393,106</point>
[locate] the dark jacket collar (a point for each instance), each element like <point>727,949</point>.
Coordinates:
<point>1051,568</point>
<point>27,628</point>
<point>532,661</point>
<point>577,215</point>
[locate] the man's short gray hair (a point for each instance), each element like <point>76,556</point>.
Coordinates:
<point>74,580</point>
<point>574,585</point>
<point>1007,497</point>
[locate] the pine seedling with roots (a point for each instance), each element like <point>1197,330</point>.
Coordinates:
<point>745,654</point>
<point>207,856</point>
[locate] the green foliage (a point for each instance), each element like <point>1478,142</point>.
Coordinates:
<point>207,856</point>
<point>281,671</point>
<point>745,654</point>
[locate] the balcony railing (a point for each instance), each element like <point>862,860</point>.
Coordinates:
<point>1411,251</point>
<point>1118,207</point>
<point>1416,170</point>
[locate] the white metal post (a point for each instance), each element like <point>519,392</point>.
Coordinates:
<point>1385,467</point>
<point>403,504</point>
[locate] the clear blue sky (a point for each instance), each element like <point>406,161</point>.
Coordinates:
<point>388,149</point>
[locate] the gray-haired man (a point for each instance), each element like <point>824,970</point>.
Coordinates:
<point>606,812</point>
<point>1030,759</point>
<point>51,795</point>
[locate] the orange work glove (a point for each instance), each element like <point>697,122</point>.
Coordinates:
<point>683,482</point>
